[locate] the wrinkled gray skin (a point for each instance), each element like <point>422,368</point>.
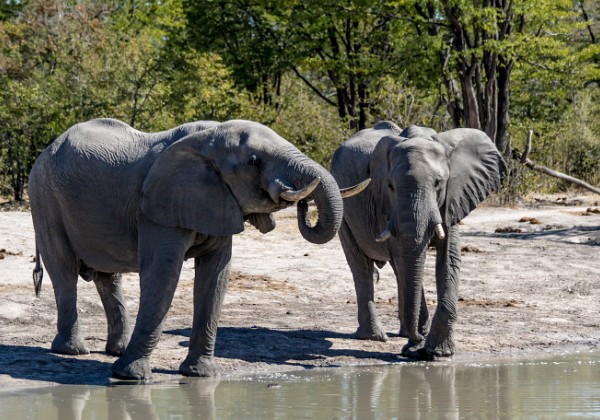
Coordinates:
<point>108,199</point>
<point>419,179</point>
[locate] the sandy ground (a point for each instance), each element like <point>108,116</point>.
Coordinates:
<point>526,288</point>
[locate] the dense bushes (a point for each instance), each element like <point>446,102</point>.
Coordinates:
<point>315,80</point>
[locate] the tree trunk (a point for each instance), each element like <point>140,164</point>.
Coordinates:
<point>485,102</point>
<point>501,139</point>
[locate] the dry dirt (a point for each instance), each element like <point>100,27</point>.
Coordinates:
<point>527,287</point>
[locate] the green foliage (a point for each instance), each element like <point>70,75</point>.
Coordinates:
<point>341,50</point>
<point>569,143</point>
<point>46,58</point>
<point>9,9</point>
<point>404,103</point>
<point>311,125</point>
<point>315,71</point>
<point>63,62</point>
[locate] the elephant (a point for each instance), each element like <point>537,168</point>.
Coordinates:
<point>422,185</point>
<point>108,199</point>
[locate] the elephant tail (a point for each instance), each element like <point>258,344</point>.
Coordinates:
<point>38,273</point>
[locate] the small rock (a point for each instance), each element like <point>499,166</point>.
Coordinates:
<point>508,229</point>
<point>470,248</point>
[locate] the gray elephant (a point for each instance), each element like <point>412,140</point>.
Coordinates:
<point>108,199</point>
<point>423,184</point>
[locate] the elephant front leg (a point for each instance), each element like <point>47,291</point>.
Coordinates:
<point>363,274</point>
<point>440,341</point>
<point>210,284</point>
<point>161,253</point>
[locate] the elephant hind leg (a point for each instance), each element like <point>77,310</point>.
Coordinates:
<point>364,274</point>
<point>109,286</point>
<point>61,265</point>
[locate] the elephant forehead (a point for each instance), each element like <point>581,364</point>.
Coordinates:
<point>419,149</point>
<point>249,134</point>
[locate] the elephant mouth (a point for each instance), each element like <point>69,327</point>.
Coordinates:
<point>291,196</point>
<point>264,222</point>
<point>387,233</point>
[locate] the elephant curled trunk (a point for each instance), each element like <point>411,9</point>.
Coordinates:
<point>328,201</point>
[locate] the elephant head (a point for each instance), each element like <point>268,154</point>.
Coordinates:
<point>427,183</point>
<point>213,180</point>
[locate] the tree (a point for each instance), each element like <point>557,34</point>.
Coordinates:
<point>346,50</point>
<point>41,71</point>
<point>340,50</point>
<point>246,35</point>
<point>67,61</point>
<point>482,42</point>
<point>10,8</point>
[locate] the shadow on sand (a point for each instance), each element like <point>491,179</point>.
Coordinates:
<point>583,235</point>
<point>39,364</point>
<point>285,347</point>
<point>278,347</point>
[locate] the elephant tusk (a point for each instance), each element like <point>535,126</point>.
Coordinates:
<point>356,189</point>
<point>439,230</point>
<point>383,236</point>
<point>291,195</point>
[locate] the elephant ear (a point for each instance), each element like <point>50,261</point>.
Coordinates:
<point>184,189</point>
<point>476,171</point>
<point>379,168</point>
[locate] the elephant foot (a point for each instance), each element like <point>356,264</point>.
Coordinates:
<point>440,348</point>
<point>73,345</point>
<point>116,347</point>
<point>415,350</point>
<point>423,330</point>
<point>138,369</point>
<point>375,334</point>
<point>202,367</point>
<point>116,343</point>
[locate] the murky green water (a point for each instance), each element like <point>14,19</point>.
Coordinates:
<point>564,386</point>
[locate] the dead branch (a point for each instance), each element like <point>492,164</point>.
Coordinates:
<point>525,155</point>
<point>524,159</point>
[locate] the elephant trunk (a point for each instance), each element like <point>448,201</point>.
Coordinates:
<point>412,262</point>
<point>414,227</point>
<point>327,198</point>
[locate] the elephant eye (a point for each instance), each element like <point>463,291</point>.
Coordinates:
<point>391,186</point>
<point>253,161</point>
<point>437,183</point>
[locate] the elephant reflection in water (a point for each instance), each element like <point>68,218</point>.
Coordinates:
<point>193,399</point>
<point>448,391</point>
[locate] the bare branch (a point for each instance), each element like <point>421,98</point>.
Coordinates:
<point>543,169</point>
<point>560,175</point>
<point>312,87</point>
<point>587,22</point>
<point>525,156</point>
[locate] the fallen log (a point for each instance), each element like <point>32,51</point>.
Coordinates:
<point>524,159</point>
